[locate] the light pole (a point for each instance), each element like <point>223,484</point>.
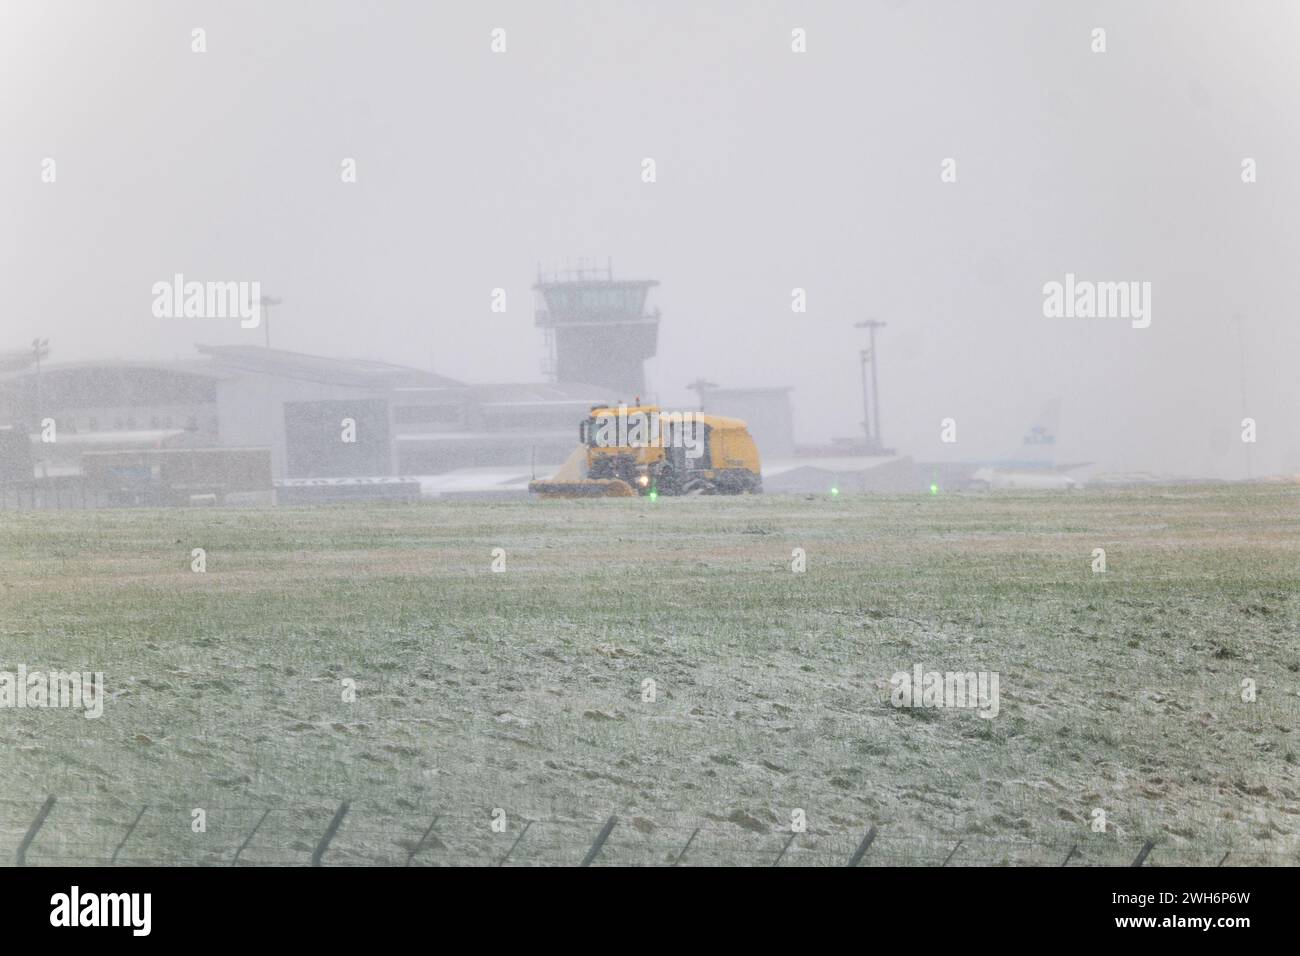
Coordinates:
<point>700,386</point>
<point>40,349</point>
<point>268,301</point>
<point>871,407</point>
<point>1241,344</point>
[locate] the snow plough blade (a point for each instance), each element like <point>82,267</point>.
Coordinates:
<point>583,488</point>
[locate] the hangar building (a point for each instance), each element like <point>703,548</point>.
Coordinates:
<point>404,421</point>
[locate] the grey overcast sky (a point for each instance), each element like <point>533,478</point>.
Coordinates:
<point>775,170</point>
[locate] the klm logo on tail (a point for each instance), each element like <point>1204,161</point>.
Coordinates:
<point>1039,435</point>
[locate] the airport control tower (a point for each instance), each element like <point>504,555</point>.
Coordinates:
<point>598,331</point>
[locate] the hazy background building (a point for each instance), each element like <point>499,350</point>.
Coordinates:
<point>404,421</point>
<point>767,410</point>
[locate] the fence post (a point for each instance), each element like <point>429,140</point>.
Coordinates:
<point>518,839</point>
<point>34,829</point>
<point>1070,854</point>
<point>332,829</point>
<point>1142,854</point>
<point>251,833</point>
<point>424,836</point>
<point>689,841</point>
<point>601,837</point>
<point>1224,860</point>
<point>129,831</point>
<point>863,847</point>
<point>952,854</point>
<point>777,861</point>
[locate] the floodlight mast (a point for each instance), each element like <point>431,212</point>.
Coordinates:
<point>266,302</point>
<point>871,388</point>
<point>701,387</point>
<point>40,350</point>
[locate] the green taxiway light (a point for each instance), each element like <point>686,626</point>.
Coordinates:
<point>934,489</point>
<point>835,491</point>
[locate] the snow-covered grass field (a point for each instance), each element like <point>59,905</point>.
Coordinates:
<point>525,690</point>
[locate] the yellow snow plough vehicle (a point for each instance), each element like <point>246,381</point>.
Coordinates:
<point>642,450</point>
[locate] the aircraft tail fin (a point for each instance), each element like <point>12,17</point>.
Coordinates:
<point>1038,444</point>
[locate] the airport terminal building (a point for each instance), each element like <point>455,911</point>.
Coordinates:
<point>312,417</point>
